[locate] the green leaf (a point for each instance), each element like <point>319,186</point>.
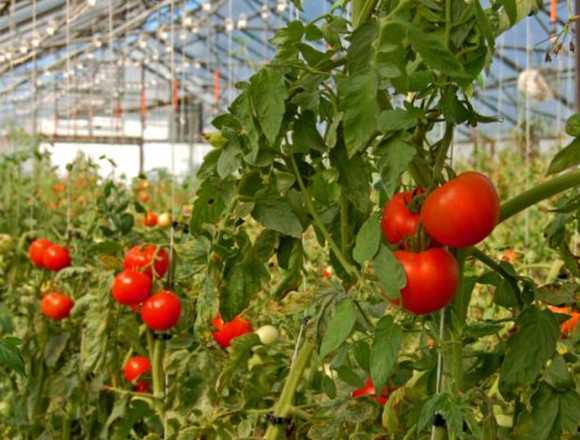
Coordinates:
<point>390,272</point>
<point>573,125</point>
<point>229,160</point>
<point>240,351</point>
<point>359,104</point>
<point>395,156</point>
<point>212,198</point>
<point>54,348</point>
<point>511,9</point>
<point>569,414</point>
<point>484,25</point>
<point>360,47</point>
<point>268,93</point>
<point>448,407</point>
<point>385,350</point>
<point>10,356</point>
<point>354,178</point>
<point>306,135</point>
<point>106,248</point>
<point>339,327</point>
<point>538,424</point>
<point>566,158</point>
<point>368,240</point>
<point>434,53</point>
<point>277,214</point>
<point>558,375</point>
<point>529,349</point>
<point>398,119</point>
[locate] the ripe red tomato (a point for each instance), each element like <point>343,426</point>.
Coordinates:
<point>55,258</point>
<point>130,287</point>
<point>369,390</point>
<point>36,251</point>
<point>135,367</point>
<point>432,278</point>
<point>231,330</point>
<point>462,212</point>
<point>398,221</point>
<point>56,305</point>
<point>161,310</point>
<point>142,386</point>
<point>150,219</point>
<point>140,258</point>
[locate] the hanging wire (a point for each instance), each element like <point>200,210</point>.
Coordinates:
<point>499,93</point>
<point>528,129</point>
<point>174,115</point>
<point>67,94</point>
<point>230,58</point>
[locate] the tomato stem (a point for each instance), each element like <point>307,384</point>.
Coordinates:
<point>349,268</point>
<point>156,348</point>
<point>538,193</point>
<point>284,405</point>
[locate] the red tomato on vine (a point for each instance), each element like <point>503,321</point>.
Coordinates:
<point>131,288</point>
<point>368,390</point>
<point>146,258</point>
<point>463,211</point>
<point>230,330</point>
<point>432,279</point>
<point>142,386</point>
<point>161,310</point>
<point>136,367</point>
<point>398,221</point>
<point>56,305</point>
<point>55,258</point>
<point>36,251</point>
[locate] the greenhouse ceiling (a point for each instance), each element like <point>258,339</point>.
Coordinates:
<point>68,58</point>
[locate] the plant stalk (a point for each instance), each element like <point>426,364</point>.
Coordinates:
<point>538,193</point>
<point>349,268</point>
<point>284,405</point>
<point>157,375</point>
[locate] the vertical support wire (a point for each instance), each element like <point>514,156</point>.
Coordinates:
<point>172,140</point>
<point>500,72</point>
<point>230,58</point>
<point>528,129</point>
<point>70,115</point>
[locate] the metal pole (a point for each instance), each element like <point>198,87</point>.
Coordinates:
<point>142,113</point>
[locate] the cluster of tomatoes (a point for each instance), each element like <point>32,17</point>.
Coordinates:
<point>132,287</point>
<point>225,332</point>
<point>458,214</point>
<point>45,254</point>
<point>151,219</point>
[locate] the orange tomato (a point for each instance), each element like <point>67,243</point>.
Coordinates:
<point>143,196</point>
<point>569,325</point>
<point>150,219</point>
<point>58,187</point>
